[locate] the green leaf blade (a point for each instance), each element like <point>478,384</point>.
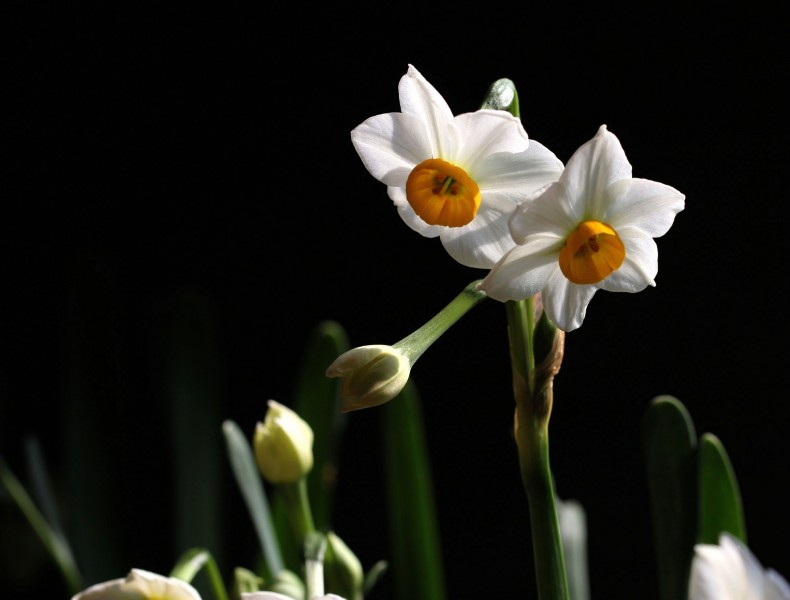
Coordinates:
<point>720,504</point>
<point>191,562</point>
<point>189,370</point>
<point>669,444</point>
<point>417,563</point>
<point>317,401</point>
<point>53,540</point>
<point>248,478</point>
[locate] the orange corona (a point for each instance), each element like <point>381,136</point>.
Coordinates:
<point>442,193</point>
<point>591,253</point>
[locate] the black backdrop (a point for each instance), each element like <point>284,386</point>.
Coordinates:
<point>204,150</point>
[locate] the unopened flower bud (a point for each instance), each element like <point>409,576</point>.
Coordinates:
<point>283,445</point>
<point>372,375</point>
<point>245,581</point>
<point>286,586</point>
<point>342,569</point>
<point>375,374</point>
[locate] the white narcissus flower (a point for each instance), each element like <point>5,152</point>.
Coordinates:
<point>455,177</point>
<point>140,585</point>
<point>729,571</point>
<point>283,444</point>
<point>591,230</point>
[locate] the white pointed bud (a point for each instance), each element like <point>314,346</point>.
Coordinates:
<point>283,445</point>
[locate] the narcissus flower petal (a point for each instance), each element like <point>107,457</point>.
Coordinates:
<point>458,178</point>
<point>592,229</point>
<point>729,571</point>
<point>140,585</point>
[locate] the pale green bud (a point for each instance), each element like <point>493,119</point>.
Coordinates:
<point>283,445</point>
<point>342,569</point>
<point>371,375</point>
<point>287,583</point>
<point>245,581</point>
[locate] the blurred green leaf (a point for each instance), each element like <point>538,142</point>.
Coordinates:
<point>417,564</point>
<point>250,484</point>
<point>317,401</point>
<point>41,486</point>
<point>191,562</point>
<point>55,543</point>
<point>669,443</point>
<point>96,395</point>
<point>373,575</point>
<point>720,505</point>
<point>189,358</point>
<point>245,581</point>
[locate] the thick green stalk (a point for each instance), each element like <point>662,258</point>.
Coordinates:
<point>297,506</point>
<point>521,325</point>
<point>544,522</point>
<point>532,388</point>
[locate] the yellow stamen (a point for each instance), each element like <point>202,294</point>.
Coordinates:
<point>591,253</point>
<point>442,194</point>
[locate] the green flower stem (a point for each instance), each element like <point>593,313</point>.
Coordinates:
<point>416,343</point>
<point>521,325</point>
<point>311,541</point>
<point>297,506</point>
<point>532,388</point>
<point>546,540</point>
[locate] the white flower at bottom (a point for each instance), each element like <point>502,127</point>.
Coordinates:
<point>140,585</point>
<point>593,229</point>
<point>276,596</point>
<point>729,571</point>
<point>456,177</point>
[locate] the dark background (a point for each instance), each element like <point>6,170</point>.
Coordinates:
<point>191,163</point>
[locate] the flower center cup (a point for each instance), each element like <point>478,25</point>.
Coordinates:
<point>442,194</point>
<point>591,253</point>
